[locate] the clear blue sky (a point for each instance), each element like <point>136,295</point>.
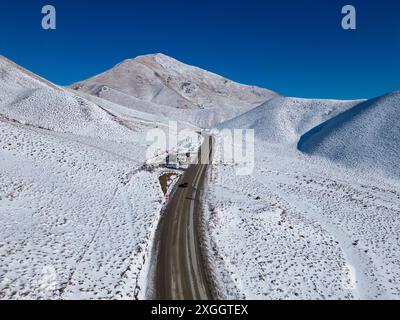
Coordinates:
<point>294,47</point>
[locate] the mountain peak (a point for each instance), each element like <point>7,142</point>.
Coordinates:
<point>148,57</point>
<point>165,81</point>
<point>158,55</point>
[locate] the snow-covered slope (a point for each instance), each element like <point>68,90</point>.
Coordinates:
<point>175,90</point>
<point>365,137</point>
<point>78,209</point>
<point>75,220</point>
<point>28,99</point>
<point>301,226</point>
<point>26,79</point>
<point>284,120</point>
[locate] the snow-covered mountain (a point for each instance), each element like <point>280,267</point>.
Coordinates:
<point>332,230</point>
<point>283,120</point>
<point>163,86</point>
<point>73,193</point>
<point>78,210</point>
<point>28,99</point>
<point>366,136</point>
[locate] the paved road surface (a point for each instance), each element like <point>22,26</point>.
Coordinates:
<point>180,274</point>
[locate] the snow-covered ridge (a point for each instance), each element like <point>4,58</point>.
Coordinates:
<point>28,99</point>
<point>8,66</point>
<point>76,208</point>
<point>77,211</point>
<point>283,120</point>
<point>174,87</point>
<point>364,137</point>
<point>317,224</point>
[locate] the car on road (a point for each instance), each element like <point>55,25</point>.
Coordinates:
<point>173,165</point>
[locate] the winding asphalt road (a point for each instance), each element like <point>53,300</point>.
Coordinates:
<point>180,272</point>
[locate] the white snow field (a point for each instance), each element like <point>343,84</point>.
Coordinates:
<point>77,208</point>
<point>306,227</point>
<point>166,87</point>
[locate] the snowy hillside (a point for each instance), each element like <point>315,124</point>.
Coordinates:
<point>174,90</point>
<point>299,228</point>
<point>77,208</point>
<point>28,100</point>
<point>284,120</point>
<point>305,226</point>
<point>365,137</point>
<point>75,220</point>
